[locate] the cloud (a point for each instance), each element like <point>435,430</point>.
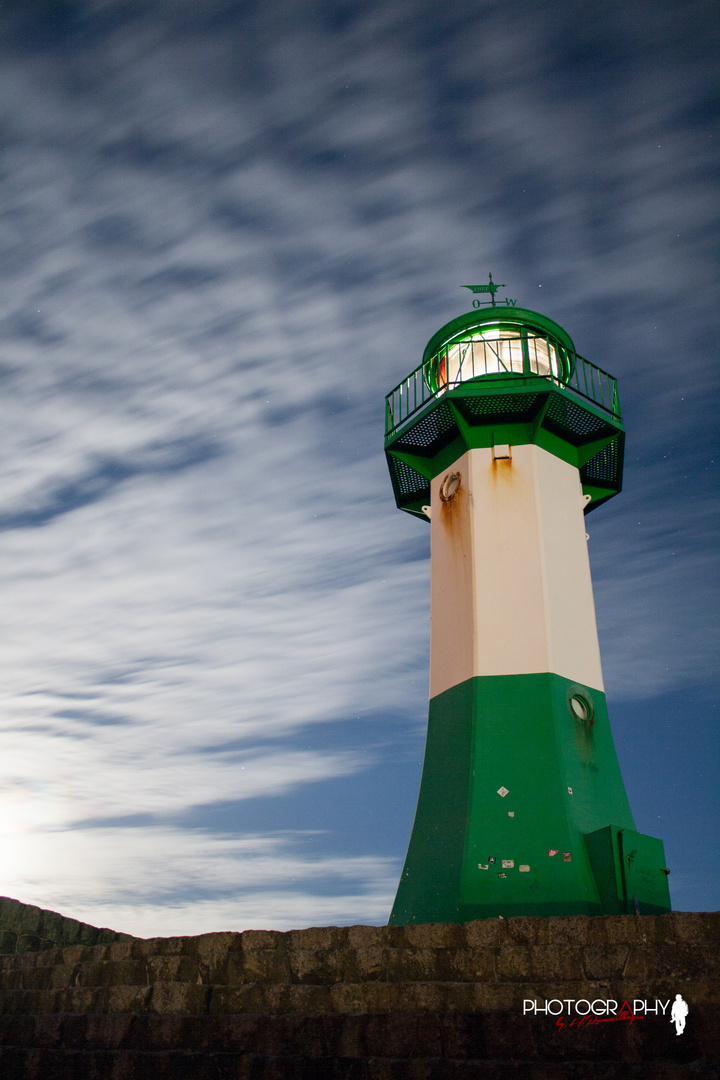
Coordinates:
<point>110,877</point>
<point>99,481</point>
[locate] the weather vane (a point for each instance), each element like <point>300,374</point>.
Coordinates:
<point>492,288</point>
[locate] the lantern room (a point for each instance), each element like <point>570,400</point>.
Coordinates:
<point>503,375</point>
<point>498,342</point>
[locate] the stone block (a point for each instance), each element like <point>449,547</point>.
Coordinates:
<point>435,997</point>
<point>413,965</point>
<point>323,938</point>
<point>91,973</point>
<point>13,1002</point>
<point>49,958</point>
<point>605,962</point>
<point>263,965</point>
<point>700,928</point>
<point>29,941</point>
<point>73,1000</point>
<point>123,999</point>
<point>528,930</point>
<point>486,933</point>
<point>148,1032</point>
<point>281,1035</point>
<point>8,942</point>
<point>648,929</point>
<point>213,971</point>
<point>248,998</point>
<point>493,997</point>
<point>61,975</point>
<point>116,951</point>
<point>210,947</point>
<point>16,1030</point>
<point>22,917</point>
<point>466,964</point>
<point>16,963</point>
<point>107,1030</point>
<point>321,965</point>
<point>367,937</point>
<point>280,998</point>
<point>400,1036</point>
<point>77,954</point>
<point>513,962</point>
<point>370,962</point>
<point>262,939</point>
<point>12,979</point>
<point>369,997</point>
<point>676,961</point>
<point>622,929</point>
<point>25,961</point>
<point>234,970</point>
<point>310,1000</point>
<point>376,937</point>
<point>220,959</point>
<point>570,930</point>
<point>174,968</point>
<point>37,978</point>
<point>434,936</point>
<point>120,973</point>
<point>556,962</point>
<point>173,997</point>
<point>7,912</point>
<point>85,935</point>
<point>168,946</point>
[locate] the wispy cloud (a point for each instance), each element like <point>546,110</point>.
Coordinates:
<point>110,877</point>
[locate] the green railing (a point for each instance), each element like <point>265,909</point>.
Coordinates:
<point>491,359</point>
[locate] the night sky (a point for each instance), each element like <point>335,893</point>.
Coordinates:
<point>228,229</point>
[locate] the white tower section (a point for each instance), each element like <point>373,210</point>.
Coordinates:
<point>511,589</point>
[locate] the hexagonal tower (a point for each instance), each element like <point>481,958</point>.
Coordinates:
<point>504,438</point>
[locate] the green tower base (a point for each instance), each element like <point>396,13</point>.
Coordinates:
<point>560,841</point>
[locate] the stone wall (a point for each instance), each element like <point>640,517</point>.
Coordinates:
<point>435,1002</point>
<point>25,928</point>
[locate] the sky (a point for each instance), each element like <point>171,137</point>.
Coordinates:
<point>227,230</point>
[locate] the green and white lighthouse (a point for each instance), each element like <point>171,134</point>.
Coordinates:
<point>504,438</point>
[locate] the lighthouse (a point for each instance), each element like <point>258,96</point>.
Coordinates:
<point>503,440</point>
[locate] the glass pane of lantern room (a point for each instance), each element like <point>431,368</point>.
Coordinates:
<point>503,352</point>
<point>543,357</point>
<point>491,352</point>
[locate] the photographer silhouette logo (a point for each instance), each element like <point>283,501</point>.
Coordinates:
<point>678,1014</point>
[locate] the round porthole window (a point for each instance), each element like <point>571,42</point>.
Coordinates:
<point>580,707</point>
<point>450,486</point>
